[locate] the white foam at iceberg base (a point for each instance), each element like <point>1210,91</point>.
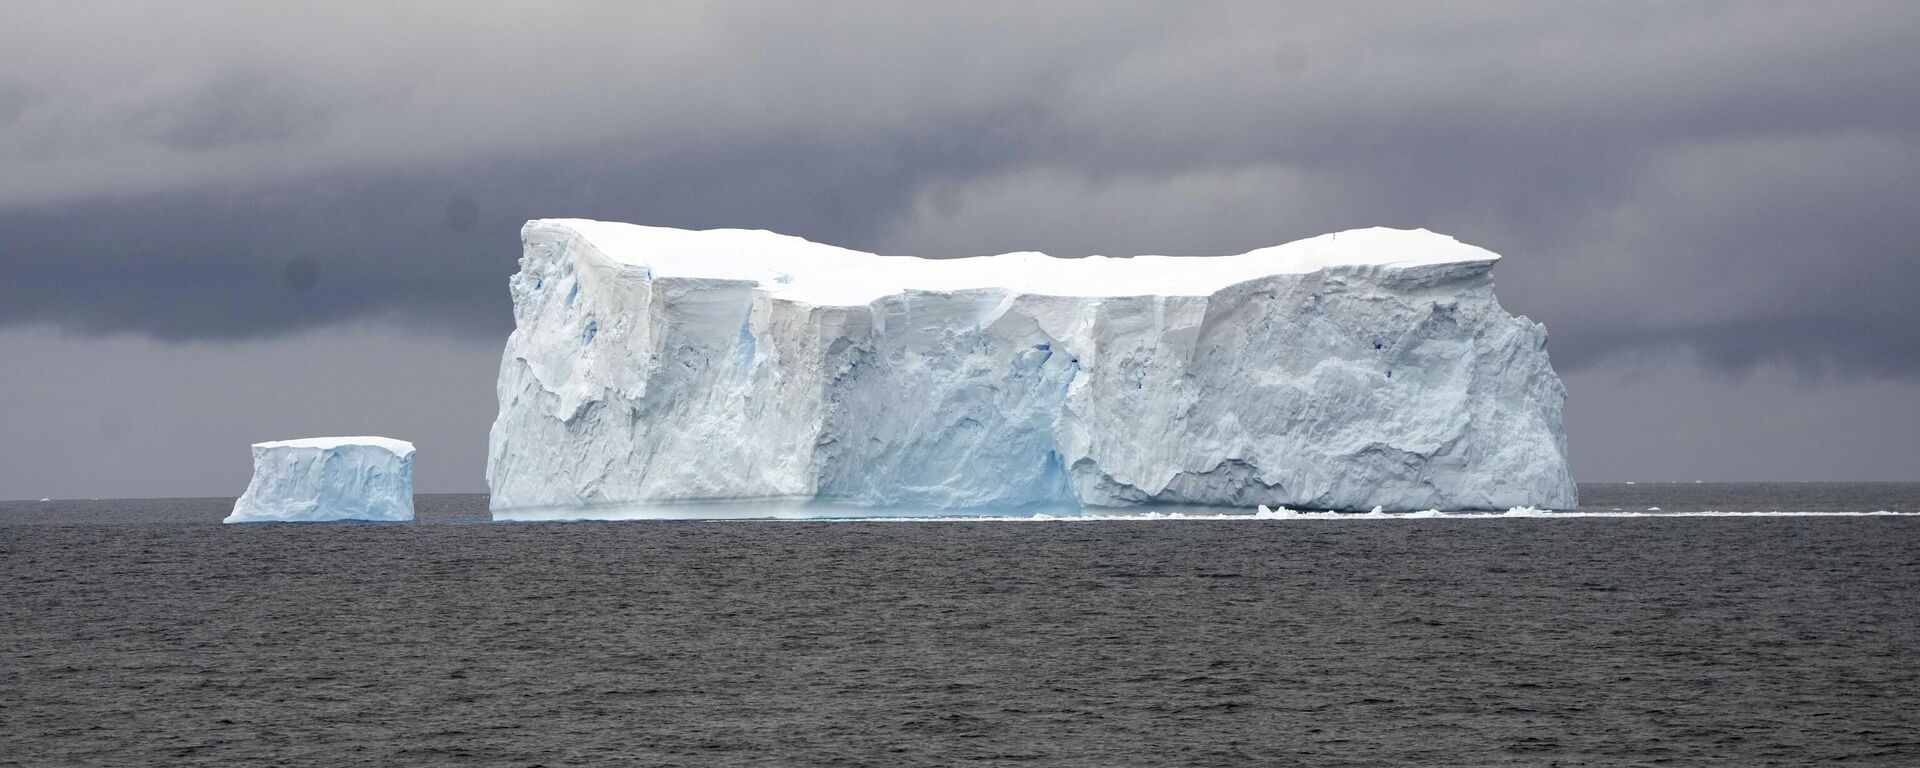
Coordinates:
<point>1284,514</point>
<point>846,513</point>
<point>328,478</point>
<point>1516,513</point>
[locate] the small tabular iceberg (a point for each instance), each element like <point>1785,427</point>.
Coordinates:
<point>328,478</point>
<point>655,367</point>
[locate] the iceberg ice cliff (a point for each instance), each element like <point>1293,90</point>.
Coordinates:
<point>1369,368</point>
<point>328,478</point>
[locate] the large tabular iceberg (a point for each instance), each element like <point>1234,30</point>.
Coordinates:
<point>328,478</point>
<point>1371,368</point>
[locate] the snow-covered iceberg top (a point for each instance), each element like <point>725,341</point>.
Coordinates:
<point>328,478</point>
<point>655,370</point>
<point>795,269</point>
<point>388,444</point>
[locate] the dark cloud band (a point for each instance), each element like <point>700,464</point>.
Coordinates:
<point>1728,179</point>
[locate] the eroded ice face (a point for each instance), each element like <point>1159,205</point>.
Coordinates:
<point>1372,368</point>
<point>328,478</point>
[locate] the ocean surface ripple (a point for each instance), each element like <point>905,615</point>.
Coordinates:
<point>145,633</point>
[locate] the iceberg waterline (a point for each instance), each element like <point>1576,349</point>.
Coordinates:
<point>832,513</point>
<point>1370,368</point>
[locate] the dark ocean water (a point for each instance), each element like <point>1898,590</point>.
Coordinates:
<point>145,633</point>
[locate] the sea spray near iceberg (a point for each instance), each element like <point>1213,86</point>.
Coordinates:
<point>654,367</point>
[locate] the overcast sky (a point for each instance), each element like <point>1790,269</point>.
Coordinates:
<point>227,222</point>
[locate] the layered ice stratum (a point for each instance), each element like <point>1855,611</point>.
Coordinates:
<point>651,367</point>
<point>328,478</point>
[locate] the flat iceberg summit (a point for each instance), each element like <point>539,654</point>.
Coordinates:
<point>653,367</point>
<point>328,478</point>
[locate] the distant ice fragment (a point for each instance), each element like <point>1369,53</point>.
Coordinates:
<point>328,478</point>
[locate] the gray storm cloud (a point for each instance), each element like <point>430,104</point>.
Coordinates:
<point>1734,180</point>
